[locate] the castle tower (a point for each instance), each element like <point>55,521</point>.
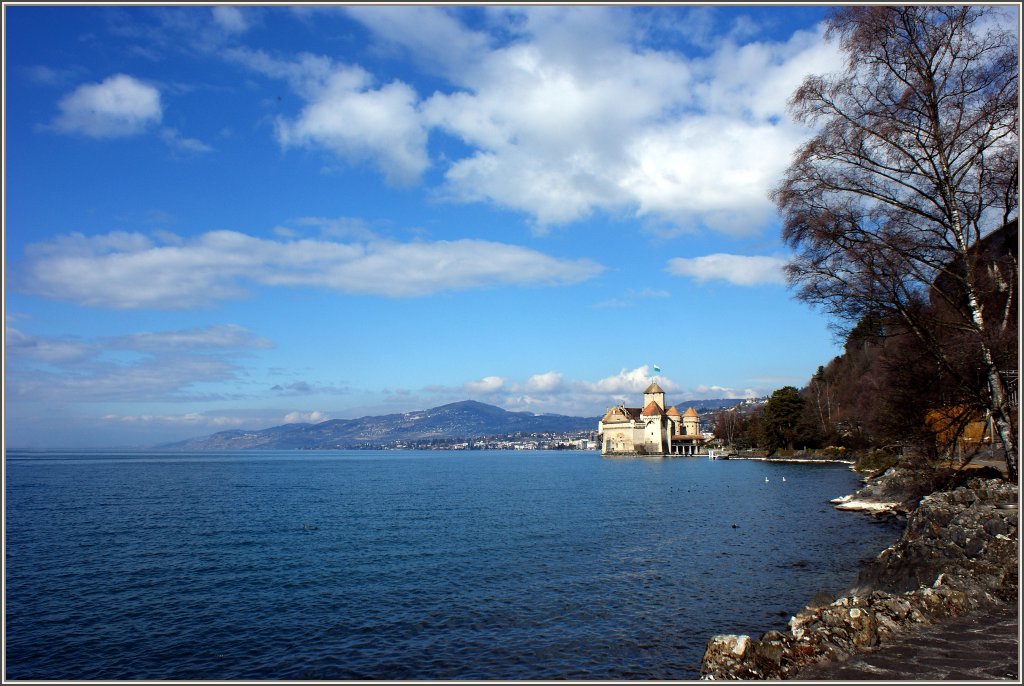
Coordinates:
<point>691,422</point>
<point>656,395</point>
<point>654,420</point>
<point>677,420</point>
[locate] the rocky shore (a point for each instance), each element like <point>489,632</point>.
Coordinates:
<point>957,557</point>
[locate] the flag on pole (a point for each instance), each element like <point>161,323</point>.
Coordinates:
<point>657,368</point>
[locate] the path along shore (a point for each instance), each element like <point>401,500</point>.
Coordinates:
<point>952,576</point>
<point>981,646</point>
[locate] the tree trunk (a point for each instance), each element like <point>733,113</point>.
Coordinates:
<point>999,403</point>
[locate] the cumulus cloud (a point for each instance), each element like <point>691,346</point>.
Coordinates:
<point>552,392</point>
<point>739,270</point>
<point>119,106</point>
<point>361,123</point>
<point>348,113</point>
<point>129,270</point>
<point>565,112</point>
<point>628,381</point>
<point>486,385</point>
<point>544,383</point>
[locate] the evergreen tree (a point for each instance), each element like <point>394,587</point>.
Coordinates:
<point>783,422</point>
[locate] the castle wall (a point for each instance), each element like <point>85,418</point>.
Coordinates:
<point>628,431</point>
<point>654,437</point>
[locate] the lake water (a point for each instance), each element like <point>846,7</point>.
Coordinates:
<point>410,565</point>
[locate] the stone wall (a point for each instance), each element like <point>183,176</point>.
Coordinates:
<point>959,553</point>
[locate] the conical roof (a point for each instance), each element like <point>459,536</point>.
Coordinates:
<point>654,388</point>
<point>672,412</point>
<point>691,413</point>
<point>653,409</point>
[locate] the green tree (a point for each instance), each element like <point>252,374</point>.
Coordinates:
<point>782,424</point>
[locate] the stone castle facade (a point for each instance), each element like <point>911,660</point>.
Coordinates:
<point>651,429</point>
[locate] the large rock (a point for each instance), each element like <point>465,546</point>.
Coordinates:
<point>968,531</point>
<point>959,553</point>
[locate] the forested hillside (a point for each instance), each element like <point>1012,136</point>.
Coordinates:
<point>889,388</point>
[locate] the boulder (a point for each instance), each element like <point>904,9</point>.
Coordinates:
<point>958,554</point>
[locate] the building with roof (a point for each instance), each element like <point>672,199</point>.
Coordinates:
<point>651,429</point>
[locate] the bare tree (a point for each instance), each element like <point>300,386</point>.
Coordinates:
<point>915,158</point>
<point>822,395</point>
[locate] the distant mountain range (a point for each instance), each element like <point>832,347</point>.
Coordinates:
<point>462,420</point>
<point>466,419</point>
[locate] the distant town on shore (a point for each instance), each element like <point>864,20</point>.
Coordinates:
<point>465,425</point>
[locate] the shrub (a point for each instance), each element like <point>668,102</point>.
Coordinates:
<point>875,461</point>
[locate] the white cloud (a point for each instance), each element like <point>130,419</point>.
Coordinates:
<point>176,141</point>
<point>214,337</point>
<point>708,392</point>
<point>187,418</point>
<point>48,350</point>
<point>307,74</point>
<point>740,270</point>
<point>119,106</point>
<point>129,271</point>
<point>313,417</point>
<point>630,381</point>
<point>486,385</point>
<point>552,392</point>
<point>549,128</point>
<point>703,171</point>
<point>544,383</point>
<point>566,114</point>
<point>230,19</point>
<point>142,367</point>
<point>360,123</point>
<point>348,113</point>
<point>431,34</point>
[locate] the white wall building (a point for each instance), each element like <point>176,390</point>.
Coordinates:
<point>651,429</point>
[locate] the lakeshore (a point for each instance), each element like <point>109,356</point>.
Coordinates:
<point>980,646</point>
<point>953,573</point>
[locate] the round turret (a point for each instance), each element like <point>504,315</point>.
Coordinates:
<point>691,422</point>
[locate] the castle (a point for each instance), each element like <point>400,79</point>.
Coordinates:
<point>651,430</point>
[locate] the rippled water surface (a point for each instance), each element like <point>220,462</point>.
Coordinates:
<point>409,565</point>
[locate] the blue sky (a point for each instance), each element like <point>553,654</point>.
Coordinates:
<point>237,217</point>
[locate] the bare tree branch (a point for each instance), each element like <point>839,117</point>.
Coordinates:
<point>914,160</point>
